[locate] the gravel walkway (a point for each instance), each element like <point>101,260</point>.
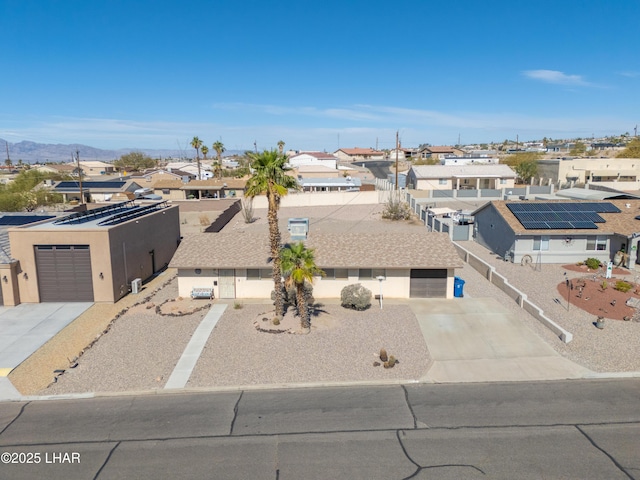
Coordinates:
<point>613,349</point>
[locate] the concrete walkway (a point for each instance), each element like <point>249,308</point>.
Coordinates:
<point>478,340</point>
<point>183,369</point>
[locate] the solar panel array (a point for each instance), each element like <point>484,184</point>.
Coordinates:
<point>90,184</point>
<point>22,219</point>
<point>565,215</point>
<point>95,213</point>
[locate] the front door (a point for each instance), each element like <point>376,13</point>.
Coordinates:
<point>227,279</point>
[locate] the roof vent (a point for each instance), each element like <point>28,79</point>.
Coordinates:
<point>628,205</point>
<point>298,228</point>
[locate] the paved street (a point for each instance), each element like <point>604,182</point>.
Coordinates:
<point>572,429</point>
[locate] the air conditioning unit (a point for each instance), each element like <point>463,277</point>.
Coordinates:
<point>136,285</point>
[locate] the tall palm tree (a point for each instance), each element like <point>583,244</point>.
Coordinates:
<point>270,178</point>
<point>280,146</point>
<point>219,148</point>
<point>197,143</point>
<point>205,151</point>
<point>299,266</point>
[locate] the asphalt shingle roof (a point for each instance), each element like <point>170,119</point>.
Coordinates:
<point>354,250</point>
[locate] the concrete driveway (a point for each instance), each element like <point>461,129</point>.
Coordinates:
<point>478,340</point>
<point>28,326</point>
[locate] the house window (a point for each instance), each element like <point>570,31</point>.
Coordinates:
<point>259,273</point>
<point>503,181</point>
<point>371,273</point>
<point>597,243</point>
<point>541,243</point>
<point>442,181</point>
<point>165,191</point>
<point>336,273</point>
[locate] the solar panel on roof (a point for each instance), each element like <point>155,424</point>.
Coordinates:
<point>23,219</point>
<point>561,215</point>
<point>89,184</point>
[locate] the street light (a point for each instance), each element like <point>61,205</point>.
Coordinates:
<point>380,279</point>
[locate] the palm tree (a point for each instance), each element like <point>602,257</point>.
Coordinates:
<point>197,143</point>
<point>270,177</point>
<point>205,151</point>
<point>219,148</point>
<point>299,266</point>
<point>280,146</point>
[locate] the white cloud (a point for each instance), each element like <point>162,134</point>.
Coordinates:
<point>557,78</point>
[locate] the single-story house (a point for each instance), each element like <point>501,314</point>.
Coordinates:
<point>149,178</point>
<point>195,189</point>
<point>237,265</point>
<point>559,231</point>
<point>317,171</point>
<point>58,168</point>
<point>314,159</point>
<point>461,177</point>
<point>94,168</point>
<point>358,154</point>
<point>93,191</point>
<point>439,152</point>
<point>88,256</point>
<point>339,184</point>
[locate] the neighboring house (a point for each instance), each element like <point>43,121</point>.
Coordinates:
<point>439,152</point>
<point>317,171</point>
<point>313,159</point>
<point>151,177</point>
<point>89,256</point>
<point>94,191</point>
<point>196,189</point>
<point>237,266</point>
<point>339,184</point>
<point>192,168</point>
<point>461,177</point>
<point>618,173</point>
<point>469,159</point>
<point>94,168</point>
<point>559,231</point>
<point>59,169</point>
<point>358,154</point>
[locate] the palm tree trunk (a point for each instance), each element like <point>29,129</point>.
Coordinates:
<point>274,239</point>
<point>302,308</point>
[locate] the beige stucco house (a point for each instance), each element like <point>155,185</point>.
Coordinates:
<point>90,256</point>
<point>195,189</point>
<point>236,265</point>
<point>618,173</point>
<point>461,177</point>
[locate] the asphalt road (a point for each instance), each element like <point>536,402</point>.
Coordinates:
<point>379,168</point>
<point>574,429</point>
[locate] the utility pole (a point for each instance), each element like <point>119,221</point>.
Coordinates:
<point>255,145</point>
<point>8,158</point>
<point>397,148</point>
<point>79,176</point>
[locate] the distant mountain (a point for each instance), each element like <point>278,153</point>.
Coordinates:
<point>31,152</point>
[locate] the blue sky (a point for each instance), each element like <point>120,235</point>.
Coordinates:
<point>316,74</point>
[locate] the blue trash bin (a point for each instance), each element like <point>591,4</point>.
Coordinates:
<point>458,287</point>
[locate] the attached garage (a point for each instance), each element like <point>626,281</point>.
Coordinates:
<point>64,273</point>
<point>428,283</point>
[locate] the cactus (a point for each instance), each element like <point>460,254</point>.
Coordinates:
<point>383,355</point>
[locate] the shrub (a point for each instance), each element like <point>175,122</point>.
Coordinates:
<point>396,208</point>
<point>623,286</point>
<point>355,297</point>
<point>593,263</point>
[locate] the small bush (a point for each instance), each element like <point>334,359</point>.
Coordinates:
<point>623,286</point>
<point>355,297</point>
<point>237,305</point>
<point>593,263</point>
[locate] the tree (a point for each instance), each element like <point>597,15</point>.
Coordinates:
<point>219,148</point>
<point>632,150</point>
<point>281,146</point>
<point>299,266</point>
<point>270,178</point>
<point>135,161</point>
<point>205,151</point>
<point>525,164</point>
<point>579,149</point>
<point>197,143</point>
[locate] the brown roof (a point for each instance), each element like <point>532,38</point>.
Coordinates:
<point>236,183</point>
<point>360,151</point>
<point>354,250</point>
<point>441,149</point>
<point>623,223</point>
